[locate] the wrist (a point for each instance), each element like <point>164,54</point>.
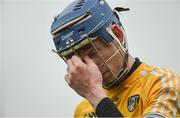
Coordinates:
<point>96,96</point>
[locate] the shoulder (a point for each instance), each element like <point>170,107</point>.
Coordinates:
<point>159,81</point>
<point>163,93</point>
<point>155,77</point>
<point>83,108</point>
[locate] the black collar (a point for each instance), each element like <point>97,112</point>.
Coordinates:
<point>136,64</point>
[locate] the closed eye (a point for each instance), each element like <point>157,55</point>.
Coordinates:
<point>92,54</point>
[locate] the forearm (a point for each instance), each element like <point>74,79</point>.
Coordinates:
<point>95,96</point>
<point>103,106</point>
<point>106,108</point>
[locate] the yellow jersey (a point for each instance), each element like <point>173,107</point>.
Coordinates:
<point>146,91</point>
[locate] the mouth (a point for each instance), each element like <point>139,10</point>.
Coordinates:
<point>106,75</point>
<point>103,73</point>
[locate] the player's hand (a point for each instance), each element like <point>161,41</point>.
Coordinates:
<point>85,78</point>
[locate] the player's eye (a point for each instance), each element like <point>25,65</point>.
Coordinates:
<point>92,54</point>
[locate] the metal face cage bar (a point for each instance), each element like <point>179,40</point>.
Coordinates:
<point>123,48</point>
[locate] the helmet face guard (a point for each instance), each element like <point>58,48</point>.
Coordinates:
<point>82,22</point>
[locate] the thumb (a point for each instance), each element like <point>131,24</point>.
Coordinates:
<point>89,61</point>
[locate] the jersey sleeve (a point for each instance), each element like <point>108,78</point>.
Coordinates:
<point>106,108</point>
<point>164,97</point>
<point>78,110</point>
<point>84,109</point>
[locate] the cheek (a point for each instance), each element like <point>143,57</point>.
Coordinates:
<point>115,67</point>
<point>116,63</point>
<point>113,60</point>
<point>108,54</point>
<point>96,58</point>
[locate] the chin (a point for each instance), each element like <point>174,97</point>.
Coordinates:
<point>107,77</point>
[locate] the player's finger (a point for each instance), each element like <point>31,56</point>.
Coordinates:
<point>77,62</point>
<point>67,79</point>
<point>89,61</point>
<point>70,66</point>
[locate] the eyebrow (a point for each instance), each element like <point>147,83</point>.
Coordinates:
<point>88,46</point>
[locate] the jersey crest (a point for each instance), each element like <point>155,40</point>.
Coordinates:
<point>133,102</point>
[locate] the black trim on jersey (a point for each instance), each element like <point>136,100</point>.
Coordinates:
<point>136,64</point>
<point>106,108</point>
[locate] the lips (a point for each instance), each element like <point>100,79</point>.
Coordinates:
<point>103,70</point>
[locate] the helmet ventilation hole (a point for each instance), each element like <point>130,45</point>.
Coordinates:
<point>79,5</point>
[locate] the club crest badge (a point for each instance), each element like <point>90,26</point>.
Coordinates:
<point>133,102</point>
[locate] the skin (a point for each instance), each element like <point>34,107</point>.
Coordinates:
<point>84,74</point>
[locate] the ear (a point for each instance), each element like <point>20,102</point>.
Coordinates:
<point>117,32</point>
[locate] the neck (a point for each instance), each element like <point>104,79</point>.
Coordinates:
<point>131,61</point>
